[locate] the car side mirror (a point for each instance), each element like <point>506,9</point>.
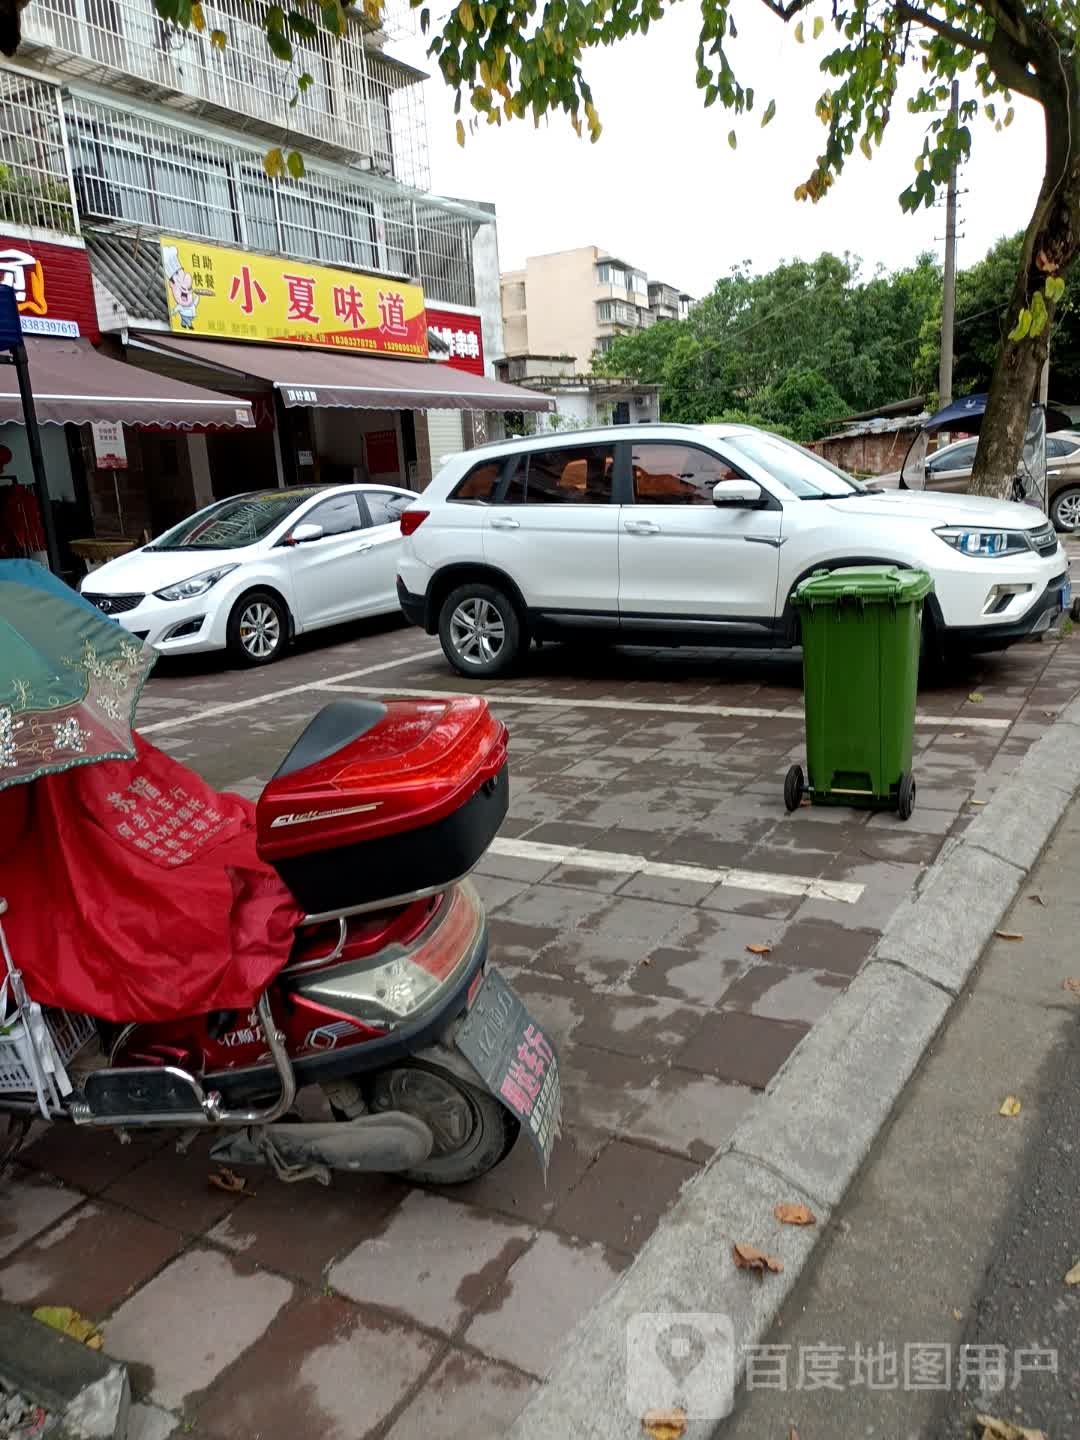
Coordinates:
<point>305,532</point>
<point>739,494</point>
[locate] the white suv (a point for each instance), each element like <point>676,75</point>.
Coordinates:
<point>691,535</point>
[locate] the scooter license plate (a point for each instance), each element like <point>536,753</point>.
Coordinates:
<point>1066,595</point>
<point>516,1061</point>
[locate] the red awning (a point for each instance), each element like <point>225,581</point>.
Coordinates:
<point>74,384</point>
<point>328,378</point>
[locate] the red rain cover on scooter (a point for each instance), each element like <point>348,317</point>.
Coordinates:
<point>134,892</point>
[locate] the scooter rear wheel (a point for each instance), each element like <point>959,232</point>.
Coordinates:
<point>473,1131</point>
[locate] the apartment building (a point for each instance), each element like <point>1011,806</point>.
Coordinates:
<point>228,325</point>
<point>668,303</point>
<point>572,303</point>
<point>560,310</point>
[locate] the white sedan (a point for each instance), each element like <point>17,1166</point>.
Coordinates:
<point>248,573</point>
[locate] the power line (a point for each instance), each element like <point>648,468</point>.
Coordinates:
<point>900,344</point>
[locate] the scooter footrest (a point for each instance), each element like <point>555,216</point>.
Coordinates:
<point>142,1095</point>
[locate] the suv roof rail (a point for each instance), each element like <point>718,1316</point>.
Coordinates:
<point>549,435</point>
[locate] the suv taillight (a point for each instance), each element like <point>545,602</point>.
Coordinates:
<point>412,520</point>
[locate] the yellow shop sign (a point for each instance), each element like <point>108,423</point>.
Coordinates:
<point>232,295</point>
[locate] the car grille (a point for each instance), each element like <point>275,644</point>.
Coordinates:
<point>113,604</point>
<point>1044,539</point>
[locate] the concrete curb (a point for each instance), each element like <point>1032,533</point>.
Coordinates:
<point>88,1391</point>
<point>821,1113</point>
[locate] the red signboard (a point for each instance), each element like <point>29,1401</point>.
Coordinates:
<point>464,335</point>
<point>53,287</point>
<point>382,452</point>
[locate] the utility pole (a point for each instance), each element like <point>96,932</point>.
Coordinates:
<point>948,290</point>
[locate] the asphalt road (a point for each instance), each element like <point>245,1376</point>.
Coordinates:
<point>1023,1302</point>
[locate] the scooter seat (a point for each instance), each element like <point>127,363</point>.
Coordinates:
<point>335,726</point>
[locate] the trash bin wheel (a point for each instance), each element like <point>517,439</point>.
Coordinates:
<point>905,800</point>
<point>794,787</point>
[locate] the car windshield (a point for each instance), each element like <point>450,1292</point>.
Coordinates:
<point>803,473</point>
<point>233,523</point>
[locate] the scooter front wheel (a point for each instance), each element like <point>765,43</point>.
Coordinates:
<point>473,1131</point>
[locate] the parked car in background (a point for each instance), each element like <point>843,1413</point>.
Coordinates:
<point>950,469</point>
<point>690,535</point>
<point>248,573</point>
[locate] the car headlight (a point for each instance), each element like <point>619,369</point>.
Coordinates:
<point>987,543</point>
<point>196,585</point>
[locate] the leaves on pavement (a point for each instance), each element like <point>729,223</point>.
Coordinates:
<point>995,1429</point>
<point>664,1424</point>
<point>230,1182</point>
<point>795,1215</point>
<point>759,949</point>
<point>1037,900</point>
<point>1073,1276</point>
<point>1010,1106</point>
<point>1008,934</point>
<point>976,698</point>
<point>749,1257</point>
<point>1072,984</point>
<point>70,1322</point>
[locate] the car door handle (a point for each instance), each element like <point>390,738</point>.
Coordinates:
<point>641,527</point>
<point>504,522</point>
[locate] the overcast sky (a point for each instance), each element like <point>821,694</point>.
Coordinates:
<point>663,190</point>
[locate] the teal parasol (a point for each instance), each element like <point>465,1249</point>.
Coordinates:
<point>69,678</point>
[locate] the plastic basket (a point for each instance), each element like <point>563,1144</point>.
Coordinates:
<point>69,1032</point>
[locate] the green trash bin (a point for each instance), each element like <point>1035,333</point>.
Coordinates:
<point>861,637</point>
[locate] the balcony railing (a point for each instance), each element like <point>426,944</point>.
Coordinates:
<point>35,185</point>
<point>359,105</point>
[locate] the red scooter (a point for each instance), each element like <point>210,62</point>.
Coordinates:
<point>420,1058</point>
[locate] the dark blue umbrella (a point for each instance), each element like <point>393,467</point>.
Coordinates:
<point>966,414</point>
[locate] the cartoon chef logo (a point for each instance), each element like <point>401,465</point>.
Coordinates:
<point>24,274</point>
<point>183,297</point>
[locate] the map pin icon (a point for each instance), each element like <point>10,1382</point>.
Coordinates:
<point>680,1349</point>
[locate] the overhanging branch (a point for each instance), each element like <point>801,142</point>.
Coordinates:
<point>785,11</point>
<point>960,38</point>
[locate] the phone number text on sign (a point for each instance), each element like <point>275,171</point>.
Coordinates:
<point>517,1062</point>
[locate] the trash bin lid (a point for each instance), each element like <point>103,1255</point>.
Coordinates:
<point>864,585</point>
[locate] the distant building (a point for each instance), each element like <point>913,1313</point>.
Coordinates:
<point>667,303</point>
<point>580,400</point>
<point>575,302</point>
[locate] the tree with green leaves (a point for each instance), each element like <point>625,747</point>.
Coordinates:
<point>514,58</point>
<point>983,292</point>
<point>521,57</point>
<point>796,348</point>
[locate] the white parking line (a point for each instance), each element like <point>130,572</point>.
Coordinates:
<point>331,682</point>
<point>660,707</point>
<point>843,891</point>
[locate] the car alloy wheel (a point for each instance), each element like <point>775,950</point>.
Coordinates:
<point>477,631</point>
<point>1067,511</point>
<point>259,630</point>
